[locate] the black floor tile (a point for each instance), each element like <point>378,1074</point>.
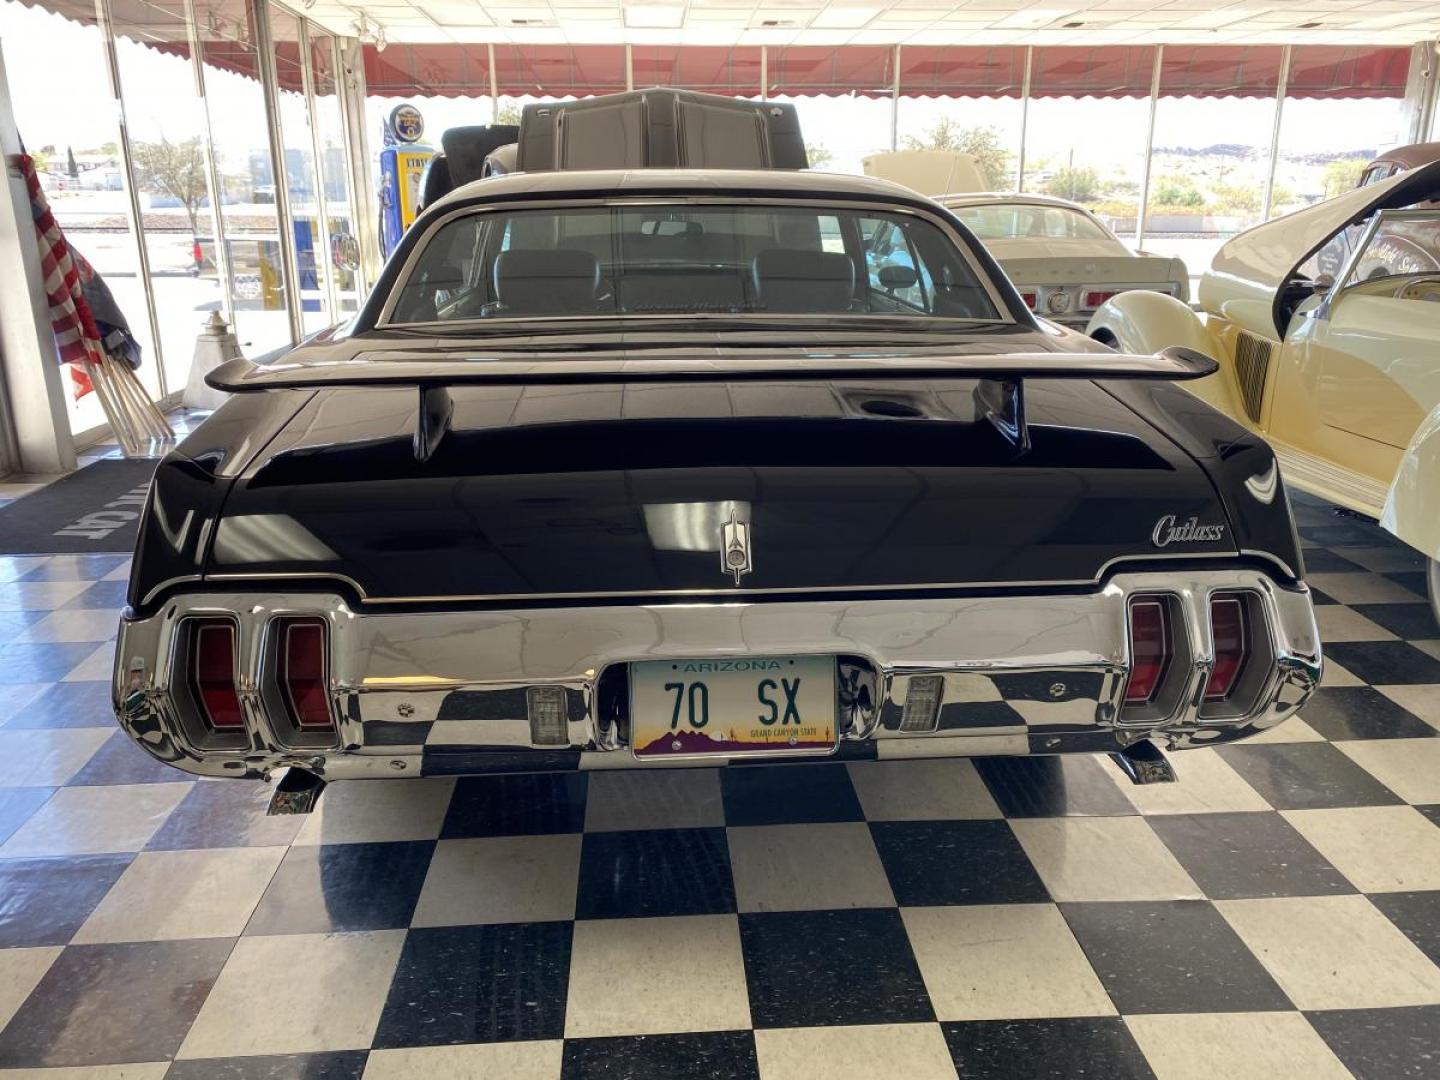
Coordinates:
<point>956,862</point>
<point>334,1065</point>
<point>75,568</point>
<point>1320,599</point>
<point>1320,560</point>
<point>653,873</point>
<point>1384,1044</point>
<point>788,794</point>
<point>1048,1049</point>
<point>103,594</point>
<point>1431,812</point>
<point>1342,533</point>
<point>468,984</point>
<point>1027,787</point>
<point>16,807</point>
<point>13,622</point>
<point>1176,956</point>
<point>825,968</point>
<point>1306,776</point>
<point>1417,914</point>
<point>1386,663</point>
<point>1414,580</point>
<point>1342,713</point>
<point>104,1004</point>
<point>330,888</point>
<point>67,705</point>
<point>44,901</point>
<point>520,805</point>
<point>701,1055</point>
<point>225,813</point>
<point>1408,622</point>
<point>1246,856</point>
<point>120,761</point>
<point>37,662</point>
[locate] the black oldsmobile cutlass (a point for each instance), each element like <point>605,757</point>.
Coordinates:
<point>627,469</point>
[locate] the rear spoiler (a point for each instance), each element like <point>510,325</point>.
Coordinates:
<point>999,393</point>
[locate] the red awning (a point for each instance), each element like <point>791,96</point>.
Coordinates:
<point>961,71</point>
<point>1108,72</point>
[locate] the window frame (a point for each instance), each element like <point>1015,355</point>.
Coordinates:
<point>1003,312</point>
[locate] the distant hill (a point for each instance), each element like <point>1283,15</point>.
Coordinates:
<point>1241,150</point>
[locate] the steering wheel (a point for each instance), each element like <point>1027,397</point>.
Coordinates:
<point>1426,287</point>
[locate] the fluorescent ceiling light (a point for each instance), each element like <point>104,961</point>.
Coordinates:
<point>657,16</point>
<point>845,18</point>
<point>1031,18</point>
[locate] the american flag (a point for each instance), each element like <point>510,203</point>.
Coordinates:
<point>77,338</point>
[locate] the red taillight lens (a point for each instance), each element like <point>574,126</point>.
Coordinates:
<point>1149,649</point>
<point>1031,299</point>
<point>302,673</point>
<point>1095,298</point>
<point>212,662</point>
<point>1232,645</point>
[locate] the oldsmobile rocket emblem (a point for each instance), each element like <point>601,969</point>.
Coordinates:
<point>735,546</point>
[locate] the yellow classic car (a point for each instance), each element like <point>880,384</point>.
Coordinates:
<point>1326,324</point>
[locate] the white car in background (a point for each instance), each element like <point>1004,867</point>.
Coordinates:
<point>1062,259</point>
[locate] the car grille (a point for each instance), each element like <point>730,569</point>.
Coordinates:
<point>1252,362</point>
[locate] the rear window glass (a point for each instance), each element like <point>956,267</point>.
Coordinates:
<point>1016,221</point>
<point>684,259</point>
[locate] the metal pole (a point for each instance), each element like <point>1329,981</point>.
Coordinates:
<point>764,72</point>
<point>1275,132</point>
<point>629,68</point>
<point>212,172</point>
<point>494,86</point>
<point>1024,114</point>
<point>1149,146</point>
<point>895,102</point>
<point>324,262</point>
<point>350,66</point>
<point>132,197</point>
<point>269,83</point>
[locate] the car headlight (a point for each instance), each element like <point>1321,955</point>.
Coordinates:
<point>1057,303</point>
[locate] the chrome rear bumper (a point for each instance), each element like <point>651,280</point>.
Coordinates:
<point>445,691</point>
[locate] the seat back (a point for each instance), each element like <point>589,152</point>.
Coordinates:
<point>546,281</point>
<point>798,281</point>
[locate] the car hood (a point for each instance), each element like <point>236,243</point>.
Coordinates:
<point>1246,275</point>
<point>539,492</point>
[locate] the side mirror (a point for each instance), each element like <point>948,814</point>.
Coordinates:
<point>897,276</point>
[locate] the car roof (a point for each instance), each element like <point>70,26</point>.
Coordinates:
<point>783,182</point>
<point>1410,157</point>
<point>1001,198</point>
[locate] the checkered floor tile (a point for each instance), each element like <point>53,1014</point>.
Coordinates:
<point>1274,914</point>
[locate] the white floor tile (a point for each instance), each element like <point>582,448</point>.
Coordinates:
<point>1117,858</point>
<point>46,757</point>
<point>20,971</point>
<point>921,790</point>
<point>911,1051</point>
<point>39,595</point>
<point>1206,785</point>
<point>1335,675</point>
<point>1350,587</point>
<point>1236,1046</point>
<point>664,799</point>
<point>99,666</point>
<point>643,976</point>
<point>500,879</point>
<point>296,993</point>
<point>92,820</point>
<point>1340,623</point>
<point>1379,848</point>
<point>1288,731</point>
<point>1422,701</point>
<point>1408,767</point>
<point>1334,952</point>
<point>150,1070</point>
<point>482,1061</point>
<point>79,625</point>
<point>168,895</point>
<point>364,811</point>
<point>1003,962</point>
<point>807,867</point>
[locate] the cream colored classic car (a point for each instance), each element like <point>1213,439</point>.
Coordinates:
<point>1341,374</point>
<point>1062,258</point>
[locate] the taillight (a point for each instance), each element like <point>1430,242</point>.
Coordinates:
<point>302,674</point>
<point>1031,299</point>
<point>212,670</point>
<point>1096,297</point>
<point>1232,644</point>
<point>1150,649</point>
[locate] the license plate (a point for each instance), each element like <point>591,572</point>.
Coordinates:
<point>742,705</point>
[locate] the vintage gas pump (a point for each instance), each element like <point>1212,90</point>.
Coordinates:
<point>402,165</point>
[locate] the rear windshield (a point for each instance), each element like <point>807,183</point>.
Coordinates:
<point>1017,220</point>
<point>690,260</point>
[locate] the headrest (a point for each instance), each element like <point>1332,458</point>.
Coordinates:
<point>549,281</point>
<point>795,280</point>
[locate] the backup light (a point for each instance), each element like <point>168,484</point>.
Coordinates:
<point>922,703</point>
<point>1030,299</point>
<point>1228,628</point>
<point>1095,297</point>
<point>302,674</point>
<point>549,719</point>
<point>1150,649</point>
<point>212,671</point>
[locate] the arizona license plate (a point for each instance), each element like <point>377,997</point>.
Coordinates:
<point>741,705</point>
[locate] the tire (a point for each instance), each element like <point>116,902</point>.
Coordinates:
<point>1432,578</point>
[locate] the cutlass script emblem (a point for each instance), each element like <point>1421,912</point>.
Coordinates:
<point>1169,531</point>
<point>735,546</point>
